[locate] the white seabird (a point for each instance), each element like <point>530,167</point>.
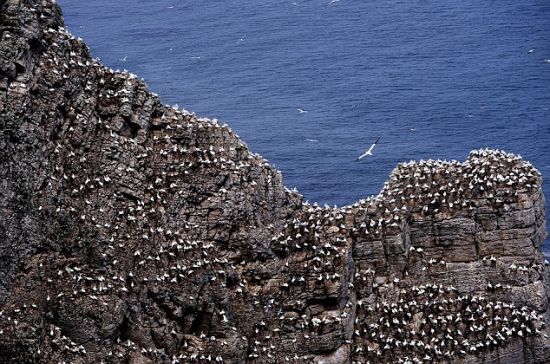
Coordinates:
<point>369,151</point>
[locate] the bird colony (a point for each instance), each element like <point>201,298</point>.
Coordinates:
<point>132,231</point>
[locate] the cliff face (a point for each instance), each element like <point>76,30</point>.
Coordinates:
<point>134,232</point>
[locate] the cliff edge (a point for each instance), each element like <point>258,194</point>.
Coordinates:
<point>132,232</point>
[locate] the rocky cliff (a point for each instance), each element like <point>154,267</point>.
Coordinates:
<point>132,232</point>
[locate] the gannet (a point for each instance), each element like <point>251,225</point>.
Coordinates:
<point>369,151</point>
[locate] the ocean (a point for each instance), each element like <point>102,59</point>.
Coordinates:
<point>311,84</point>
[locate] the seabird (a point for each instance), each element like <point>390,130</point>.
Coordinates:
<point>124,59</point>
<point>302,111</point>
<point>368,152</point>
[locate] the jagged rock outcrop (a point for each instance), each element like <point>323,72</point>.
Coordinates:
<point>134,232</point>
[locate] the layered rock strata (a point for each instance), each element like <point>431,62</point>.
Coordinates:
<point>134,232</point>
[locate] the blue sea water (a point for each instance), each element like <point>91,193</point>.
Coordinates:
<point>434,79</point>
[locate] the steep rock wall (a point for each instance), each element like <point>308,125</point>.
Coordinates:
<point>134,232</point>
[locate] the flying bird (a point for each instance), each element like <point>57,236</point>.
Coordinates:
<point>369,151</point>
<point>302,111</point>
